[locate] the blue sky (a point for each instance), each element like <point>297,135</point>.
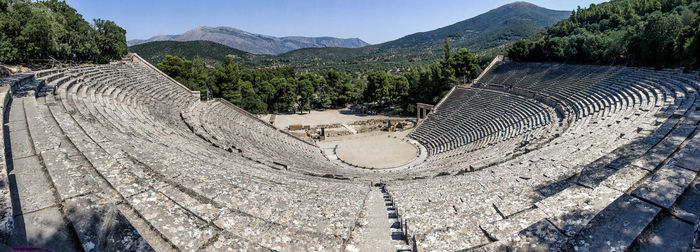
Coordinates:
<point>374,21</point>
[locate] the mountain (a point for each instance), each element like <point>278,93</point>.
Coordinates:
<point>487,32</point>
<point>484,34</point>
<point>211,53</point>
<point>501,25</point>
<point>254,43</point>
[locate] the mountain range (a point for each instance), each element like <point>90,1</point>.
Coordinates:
<point>482,34</point>
<point>254,43</point>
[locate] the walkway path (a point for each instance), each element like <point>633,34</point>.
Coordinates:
<point>380,229</point>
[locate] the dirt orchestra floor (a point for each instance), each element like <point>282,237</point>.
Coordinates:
<point>374,150</point>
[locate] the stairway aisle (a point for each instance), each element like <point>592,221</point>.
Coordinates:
<point>379,228</point>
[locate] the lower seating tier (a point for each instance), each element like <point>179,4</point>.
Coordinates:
<point>534,156</point>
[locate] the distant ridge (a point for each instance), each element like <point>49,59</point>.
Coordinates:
<point>503,24</point>
<point>254,43</point>
<point>480,34</point>
<point>211,53</point>
<point>488,31</point>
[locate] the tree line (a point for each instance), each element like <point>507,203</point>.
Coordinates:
<point>282,90</point>
<point>53,30</point>
<point>655,33</point>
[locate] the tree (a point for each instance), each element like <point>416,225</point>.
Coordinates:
<point>649,33</point>
<point>520,50</point>
<point>79,39</point>
<point>447,58</point>
<point>379,87</point>
<point>347,92</point>
<point>226,78</point>
<point>38,38</point>
<point>199,76</point>
<point>321,92</point>
<point>331,90</point>
<point>111,40</point>
<point>305,91</point>
<point>400,87</point>
<point>51,29</point>
<point>687,49</point>
<point>266,91</point>
<point>465,65</point>
<point>176,67</point>
<point>286,94</point>
<point>251,102</point>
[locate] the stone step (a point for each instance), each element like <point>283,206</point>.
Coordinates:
<point>616,227</point>
<point>7,86</point>
<point>687,207</point>
<point>689,156</point>
<point>665,185</point>
<point>377,226</point>
<point>571,209</point>
<point>180,227</point>
<point>125,184</point>
<point>659,153</point>
<point>37,216</point>
<point>88,201</point>
<point>170,220</point>
<point>666,233</point>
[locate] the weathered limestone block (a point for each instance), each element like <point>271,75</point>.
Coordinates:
<point>625,178</point>
<point>100,226</point>
<point>616,227</point>
<point>665,185</point>
<point>571,209</point>
<point>507,228</point>
<point>666,234</point>
<point>184,230</point>
<point>43,229</point>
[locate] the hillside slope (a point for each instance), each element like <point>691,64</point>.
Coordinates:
<point>212,53</point>
<point>656,33</point>
<point>493,28</point>
<point>254,43</point>
<point>479,34</point>
<point>483,33</point>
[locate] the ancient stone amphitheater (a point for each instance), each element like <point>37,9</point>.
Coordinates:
<point>532,156</point>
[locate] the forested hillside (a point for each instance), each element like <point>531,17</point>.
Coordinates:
<point>44,30</point>
<point>634,32</point>
<point>254,43</point>
<point>483,34</point>
<point>493,28</point>
<point>486,35</point>
<point>280,89</point>
<point>212,53</point>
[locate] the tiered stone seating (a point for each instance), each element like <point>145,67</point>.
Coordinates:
<point>252,137</point>
<point>122,123</point>
<point>533,156</point>
<point>7,87</point>
<point>50,185</point>
<point>608,171</point>
<point>478,117</point>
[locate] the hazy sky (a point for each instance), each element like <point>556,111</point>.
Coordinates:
<point>374,21</point>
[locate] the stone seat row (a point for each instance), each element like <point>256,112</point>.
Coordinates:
<point>125,115</point>
<point>532,199</point>
<point>470,115</point>
<point>252,137</point>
